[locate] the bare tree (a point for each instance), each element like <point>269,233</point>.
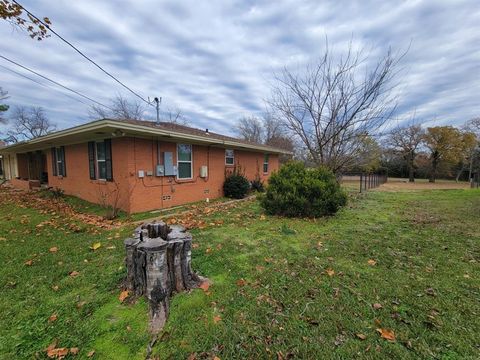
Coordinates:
<point>28,123</point>
<point>174,116</point>
<point>405,141</point>
<point>3,107</point>
<point>120,108</point>
<point>250,128</point>
<point>335,103</point>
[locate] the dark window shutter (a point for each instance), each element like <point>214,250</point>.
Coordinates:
<point>108,159</point>
<point>64,164</point>
<point>54,161</point>
<point>91,159</point>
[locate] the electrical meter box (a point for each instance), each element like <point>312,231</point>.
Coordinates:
<point>168,163</point>
<point>160,170</point>
<point>204,171</point>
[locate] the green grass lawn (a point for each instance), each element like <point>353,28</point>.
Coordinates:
<point>281,287</point>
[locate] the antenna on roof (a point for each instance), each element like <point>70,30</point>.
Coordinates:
<point>157,106</point>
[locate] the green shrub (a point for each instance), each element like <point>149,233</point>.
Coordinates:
<point>295,191</point>
<point>257,184</point>
<point>236,186</point>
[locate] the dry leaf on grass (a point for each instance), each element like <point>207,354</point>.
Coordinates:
<point>53,318</point>
<point>204,286</point>
<point>241,282</point>
<point>123,295</point>
<point>29,262</point>
<point>377,306</point>
<point>361,336</point>
<point>330,272</point>
<point>371,262</point>
<point>95,246</point>
<point>74,273</point>
<point>56,353</point>
<point>91,353</point>
<point>74,350</point>
<point>53,249</point>
<point>217,318</point>
<point>387,334</point>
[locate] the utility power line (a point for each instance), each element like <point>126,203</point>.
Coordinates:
<point>81,53</point>
<point>54,82</point>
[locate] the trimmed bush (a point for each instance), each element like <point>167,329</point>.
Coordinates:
<point>296,191</point>
<point>236,186</point>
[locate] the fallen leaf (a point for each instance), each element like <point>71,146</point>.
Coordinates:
<point>430,292</point>
<point>53,249</point>
<point>95,246</point>
<point>330,272</point>
<point>74,273</point>
<point>91,353</point>
<point>55,288</point>
<point>241,282</point>
<point>216,318</point>
<point>387,334</point>
<point>204,286</point>
<point>29,262</point>
<point>361,336</point>
<point>123,295</point>
<point>53,318</point>
<point>262,217</point>
<point>57,353</point>
<point>74,350</point>
<point>81,304</point>
<point>216,358</point>
<point>377,306</point>
<point>371,262</point>
<point>195,245</point>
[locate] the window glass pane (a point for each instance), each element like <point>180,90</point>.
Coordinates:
<point>229,153</point>
<point>102,170</point>
<point>60,168</point>
<point>265,158</point>
<point>265,168</point>
<point>229,161</point>
<point>184,152</point>
<point>101,151</point>
<point>184,170</point>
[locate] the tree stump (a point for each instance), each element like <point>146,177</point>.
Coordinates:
<point>158,265</point>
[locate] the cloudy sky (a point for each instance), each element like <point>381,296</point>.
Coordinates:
<point>215,59</point>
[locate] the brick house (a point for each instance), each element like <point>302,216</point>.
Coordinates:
<point>140,164</point>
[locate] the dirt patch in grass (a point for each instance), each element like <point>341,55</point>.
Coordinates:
<point>422,184</point>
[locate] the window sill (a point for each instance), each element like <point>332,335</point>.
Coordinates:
<point>99,181</point>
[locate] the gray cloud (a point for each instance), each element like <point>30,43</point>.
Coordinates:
<point>215,60</point>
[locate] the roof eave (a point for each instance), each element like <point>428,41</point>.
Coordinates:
<point>108,123</point>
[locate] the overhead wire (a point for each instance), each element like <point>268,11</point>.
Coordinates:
<point>81,53</point>
<point>54,82</point>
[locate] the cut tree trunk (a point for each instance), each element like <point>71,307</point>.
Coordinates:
<point>158,265</point>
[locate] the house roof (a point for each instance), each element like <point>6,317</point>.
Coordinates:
<point>109,127</point>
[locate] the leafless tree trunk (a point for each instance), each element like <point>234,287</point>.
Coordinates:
<point>335,103</point>
<point>28,123</point>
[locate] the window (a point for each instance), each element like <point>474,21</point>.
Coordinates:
<point>100,160</point>
<point>265,164</point>
<point>101,163</point>
<point>58,161</point>
<point>184,161</point>
<point>229,157</point>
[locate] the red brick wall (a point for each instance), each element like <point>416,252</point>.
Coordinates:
<point>129,155</point>
<point>153,192</point>
<point>78,183</point>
